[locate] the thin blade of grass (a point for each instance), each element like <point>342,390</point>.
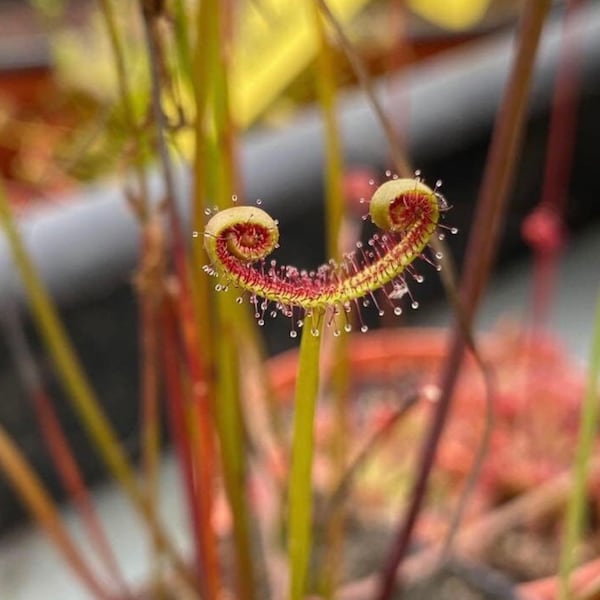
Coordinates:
<point>300,489</point>
<point>576,508</point>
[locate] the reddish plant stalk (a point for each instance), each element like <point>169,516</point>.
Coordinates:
<point>59,448</point>
<point>202,414</point>
<point>149,284</point>
<point>201,441</point>
<point>544,228</point>
<point>73,482</point>
<point>481,250</point>
<point>178,420</point>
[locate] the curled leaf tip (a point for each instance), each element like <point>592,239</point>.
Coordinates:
<point>238,241</point>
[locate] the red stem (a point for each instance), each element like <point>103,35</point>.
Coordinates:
<point>171,357</point>
<point>72,480</point>
<point>544,229</point>
<point>62,456</point>
<point>482,247</point>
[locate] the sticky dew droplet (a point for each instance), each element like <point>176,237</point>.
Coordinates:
<point>414,304</point>
<point>258,202</point>
<point>364,329</point>
<point>397,311</point>
<point>293,333</point>
<point>239,299</point>
<point>347,328</point>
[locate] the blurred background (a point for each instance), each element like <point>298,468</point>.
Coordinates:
<point>64,155</point>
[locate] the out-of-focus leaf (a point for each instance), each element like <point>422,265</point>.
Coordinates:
<point>275,42</point>
<point>451,14</point>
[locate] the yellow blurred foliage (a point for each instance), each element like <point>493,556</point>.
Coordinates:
<point>450,14</point>
<point>276,40</point>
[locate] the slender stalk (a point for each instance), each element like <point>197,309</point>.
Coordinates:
<point>562,132</point>
<point>139,200</point>
<point>182,39</point>
<point>334,212</point>
<point>77,386</point>
<point>67,364</point>
<point>585,448</point>
<point>300,491</point>
<point>371,446</point>
<point>149,287</point>
<point>217,179</point>
<point>481,250</point>
<point>58,444</point>
<point>39,503</point>
<point>401,162</point>
<point>172,353</point>
<point>230,427</point>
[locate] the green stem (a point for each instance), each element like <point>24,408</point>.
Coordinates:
<point>585,447</point>
<point>300,495</point>
<point>334,207</point>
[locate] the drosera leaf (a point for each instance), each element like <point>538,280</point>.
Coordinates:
<point>239,239</point>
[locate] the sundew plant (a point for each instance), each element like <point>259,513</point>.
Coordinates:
<point>205,287</point>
